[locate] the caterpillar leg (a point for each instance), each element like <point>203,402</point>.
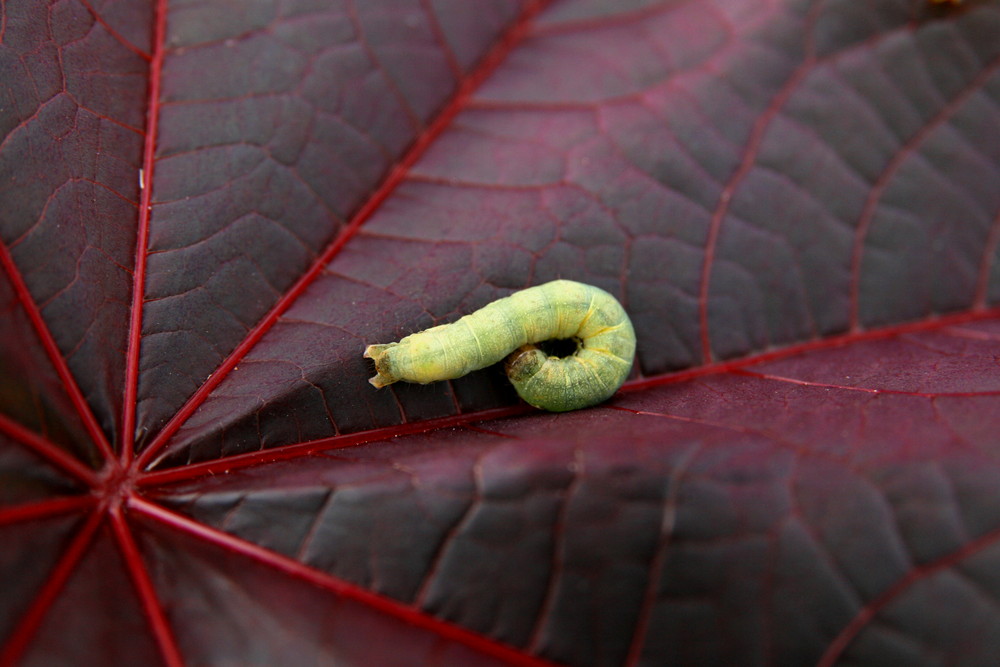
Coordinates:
<point>383,367</point>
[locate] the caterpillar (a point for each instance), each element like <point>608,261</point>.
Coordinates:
<point>511,327</point>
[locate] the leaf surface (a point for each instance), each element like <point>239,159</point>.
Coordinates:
<point>211,210</point>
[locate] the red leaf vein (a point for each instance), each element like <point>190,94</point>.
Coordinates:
<point>746,164</point>
<point>142,235</point>
<point>393,179</point>
<point>869,611</point>
<point>58,362</point>
<point>151,604</point>
<point>337,586</point>
<point>26,629</point>
<point>885,178</point>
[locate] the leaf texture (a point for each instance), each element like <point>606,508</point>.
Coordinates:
<point>210,209</point>
<point>273,129</point>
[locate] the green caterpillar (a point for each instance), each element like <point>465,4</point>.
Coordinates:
<point>561,309</point>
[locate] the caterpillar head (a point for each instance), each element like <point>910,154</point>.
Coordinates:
<point>524,362</point>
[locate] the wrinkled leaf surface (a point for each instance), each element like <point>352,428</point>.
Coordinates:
<point>208,209</point>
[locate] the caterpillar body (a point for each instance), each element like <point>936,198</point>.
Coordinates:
<point>558,310</point>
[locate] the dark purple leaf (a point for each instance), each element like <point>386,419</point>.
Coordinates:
<point>209,209</point>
